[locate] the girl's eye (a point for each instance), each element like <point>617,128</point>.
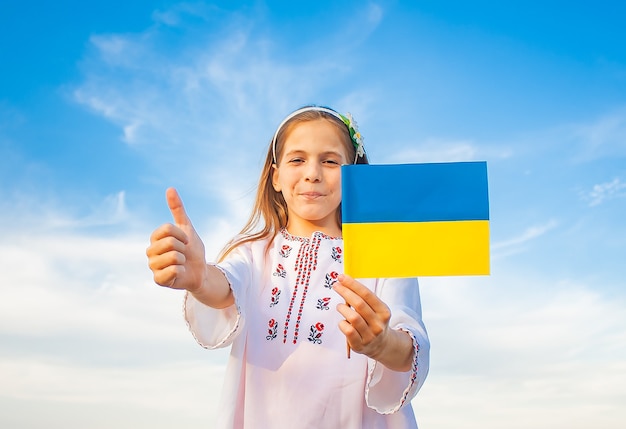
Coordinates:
<point>331,161</point>
<point>296,161</point>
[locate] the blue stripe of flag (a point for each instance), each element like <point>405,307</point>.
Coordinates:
<point>415,192</point>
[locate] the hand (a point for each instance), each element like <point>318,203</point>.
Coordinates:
<point>176,253</point>
<point>366,326</point>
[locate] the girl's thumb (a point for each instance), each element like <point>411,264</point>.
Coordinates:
<point>176,208</point>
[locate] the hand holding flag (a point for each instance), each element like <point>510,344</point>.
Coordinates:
<point>366,326</point>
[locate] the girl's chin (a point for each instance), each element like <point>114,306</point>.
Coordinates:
<point>310,224</point>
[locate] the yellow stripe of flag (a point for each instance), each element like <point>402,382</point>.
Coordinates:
<point>420,249</point>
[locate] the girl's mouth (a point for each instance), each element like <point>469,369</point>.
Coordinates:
<point>311,195</point>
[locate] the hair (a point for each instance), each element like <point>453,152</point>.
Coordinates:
<point>269,213</point>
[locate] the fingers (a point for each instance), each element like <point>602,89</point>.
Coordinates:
<point>362,299</point>
<point>169,250</point>
<point>166,254</point>
<point>177,209</point>
<point>168,275</point>
<point>363,325</point>
<point>366,316</point>
<point>357,312</point>
<point>168,231</point>
<point>166,266</point>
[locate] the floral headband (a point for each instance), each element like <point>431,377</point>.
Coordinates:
<point>355,135</point>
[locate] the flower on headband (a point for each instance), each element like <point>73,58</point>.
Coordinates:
<point>355,135</point>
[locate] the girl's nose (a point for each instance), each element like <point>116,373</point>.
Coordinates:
<point>313,173</point>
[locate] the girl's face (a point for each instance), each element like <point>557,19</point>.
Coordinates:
<point>308,175</point>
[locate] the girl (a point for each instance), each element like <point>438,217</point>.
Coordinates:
<point>279,298</point>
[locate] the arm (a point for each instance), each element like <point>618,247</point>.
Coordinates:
<point>177,259</point>
<point>366,327</point>
<point>389,389</point>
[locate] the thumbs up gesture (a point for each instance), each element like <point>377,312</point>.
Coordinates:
<point>176,253</point>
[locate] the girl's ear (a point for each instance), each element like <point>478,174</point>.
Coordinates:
<point>275,183</point>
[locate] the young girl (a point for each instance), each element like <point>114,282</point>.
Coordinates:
<point>279,298</point>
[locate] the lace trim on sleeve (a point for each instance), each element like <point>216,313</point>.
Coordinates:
<point>232,333</point>
<point>376,375</point>
<point>414,369</point>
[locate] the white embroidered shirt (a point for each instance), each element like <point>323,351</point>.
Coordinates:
<point>288,366</point>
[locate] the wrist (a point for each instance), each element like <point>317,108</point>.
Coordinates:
<point>396,352</point>
<point>213,288</point>
<point>201,284</point>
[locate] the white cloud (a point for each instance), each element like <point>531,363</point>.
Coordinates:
<point>111,211</point>
<point>68,282</point>
<point>46,212</point>
<point>175,15</point>
<point>136,385</point>
<point>436,151</point>
<point>182,394</point>
<point>539,354</point>
<point>606,191</point>
<point>375,14</point>
<point>440,150</point>
<point>200,92</point>
<point>84,276</point>
<point>518,243</point>
<point>83,327</point>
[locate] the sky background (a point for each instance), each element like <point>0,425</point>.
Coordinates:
<point>103,105</point>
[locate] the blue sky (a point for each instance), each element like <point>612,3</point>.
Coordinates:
<point>104,105</point>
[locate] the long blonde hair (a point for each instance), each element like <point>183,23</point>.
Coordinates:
<point>270,209</point>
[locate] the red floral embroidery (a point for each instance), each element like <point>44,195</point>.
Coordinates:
<point>331,279</point>
<point>323,303</point>
<point>336,253</point>
<point>275,297</point>
<point>273,327</point>
<point>315,334</point>
<point>280,271</point>
<point>285,250</point>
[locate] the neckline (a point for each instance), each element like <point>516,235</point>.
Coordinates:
<point>287,235</point>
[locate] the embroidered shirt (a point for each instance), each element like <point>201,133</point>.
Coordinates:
<point>288,366</point>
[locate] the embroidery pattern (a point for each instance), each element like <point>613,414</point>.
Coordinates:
<point>280,271</point>
<point>275,297</point>
<point>299,264</point>
<point>304,258</point>
<point>336,254</point>
<point>273,328</point>
<point>285,250</point>
<point>312,264</point>
<point>305,264</point>
<point>331,279</point>
<point>290,237</point>
<point>315,334</point>
<point>323,303</point>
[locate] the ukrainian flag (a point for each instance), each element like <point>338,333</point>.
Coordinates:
<point>410,220</point>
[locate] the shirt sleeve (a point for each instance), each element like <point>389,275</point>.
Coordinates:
<point>216,328</point>
<point>387,391</point>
